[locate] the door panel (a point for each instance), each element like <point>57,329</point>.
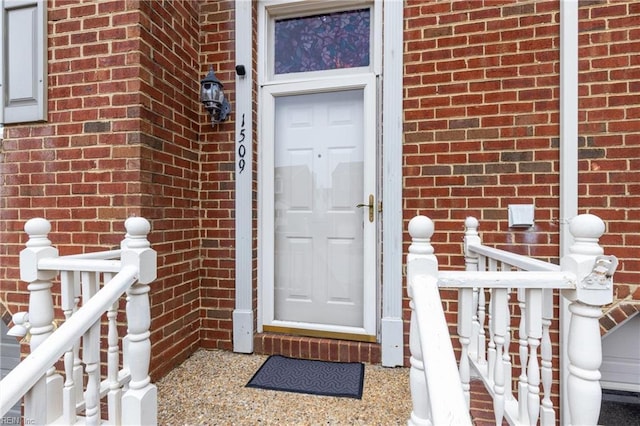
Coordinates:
<point>318,232</point>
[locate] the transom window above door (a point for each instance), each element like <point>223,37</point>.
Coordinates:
<point>313,39</point>
<point>322,42</point>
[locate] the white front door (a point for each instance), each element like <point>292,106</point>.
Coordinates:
<point>323,253</point>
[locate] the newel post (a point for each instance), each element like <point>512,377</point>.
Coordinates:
<point>420,260</point>
<point>139,403</point>
<point>45,393</point>
<point>594,288</point>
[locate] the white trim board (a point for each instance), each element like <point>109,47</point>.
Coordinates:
<point>243,312</point>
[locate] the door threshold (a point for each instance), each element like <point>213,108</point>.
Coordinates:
<point>320,333</point>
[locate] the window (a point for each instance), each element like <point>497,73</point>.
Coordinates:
<point>322,42</point>
<point>23,61</point>
<point>303,40</point>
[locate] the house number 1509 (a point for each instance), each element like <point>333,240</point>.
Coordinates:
<point>242,149</point>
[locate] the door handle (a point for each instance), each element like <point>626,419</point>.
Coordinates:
<point>371,206</point>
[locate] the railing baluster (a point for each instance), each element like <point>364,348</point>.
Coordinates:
<point>498,319</point>
<point>78,369</point>
<point>492,264</point>
<point>54,394</point>
<point>482,318</point>
<point>491,351</point>
<point>114,396</point>
<point>465,307</point>
<point>471,262</point>
<point>523,415</point>
<point>68,303</point>
<point>547,413</point>
<point>510,338</point>
<point>506,354</point>
<point>475,326</point>
<point>91,354</point>
<point>534,332</point>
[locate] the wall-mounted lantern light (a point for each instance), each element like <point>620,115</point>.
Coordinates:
<point>212,96</point>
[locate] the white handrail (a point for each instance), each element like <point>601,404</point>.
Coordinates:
<point>519,261</point>
<point>507,279</point>
<point>473,249</point>
<point>78,264</point>
<point>32,368</point>
<point>436,389</point>
<point>105,255</point>
<point>447,402</point>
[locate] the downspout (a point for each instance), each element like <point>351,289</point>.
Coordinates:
<point>243,313</point>
<point>568,167</point>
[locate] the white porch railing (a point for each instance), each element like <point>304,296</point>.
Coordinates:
<point>487,320</point>
<point>75,396</point>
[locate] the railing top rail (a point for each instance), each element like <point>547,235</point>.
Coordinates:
<point>519,261</point>
<point>105,255</point>
<point>78,264</point>
<point>507,279</point>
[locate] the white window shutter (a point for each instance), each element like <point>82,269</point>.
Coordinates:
<point>23,60</point>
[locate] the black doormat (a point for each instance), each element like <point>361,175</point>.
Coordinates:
<point>344,379</point>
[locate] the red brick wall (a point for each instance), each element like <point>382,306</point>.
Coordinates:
<point>482,123</point>
<point>610,129</point>
<point>170,120</point>
<point>482,127</point>
<point>481,120</point>
<point>80,169</point>
<point>122,139</point>
<point>218,182</point>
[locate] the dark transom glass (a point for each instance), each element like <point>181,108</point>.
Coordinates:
<point>322,42</point>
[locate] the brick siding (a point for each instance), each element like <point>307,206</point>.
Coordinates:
<point>122,139</point>
<point>482,128</point>
<point>218,184</point>
<point>127,135</point>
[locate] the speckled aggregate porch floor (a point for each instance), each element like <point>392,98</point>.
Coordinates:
<point>209,389</point>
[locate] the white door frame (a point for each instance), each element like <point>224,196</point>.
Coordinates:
<point>367,83</point>
<point>392,323</point>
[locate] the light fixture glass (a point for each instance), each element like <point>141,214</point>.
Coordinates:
<point>213,99</point>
